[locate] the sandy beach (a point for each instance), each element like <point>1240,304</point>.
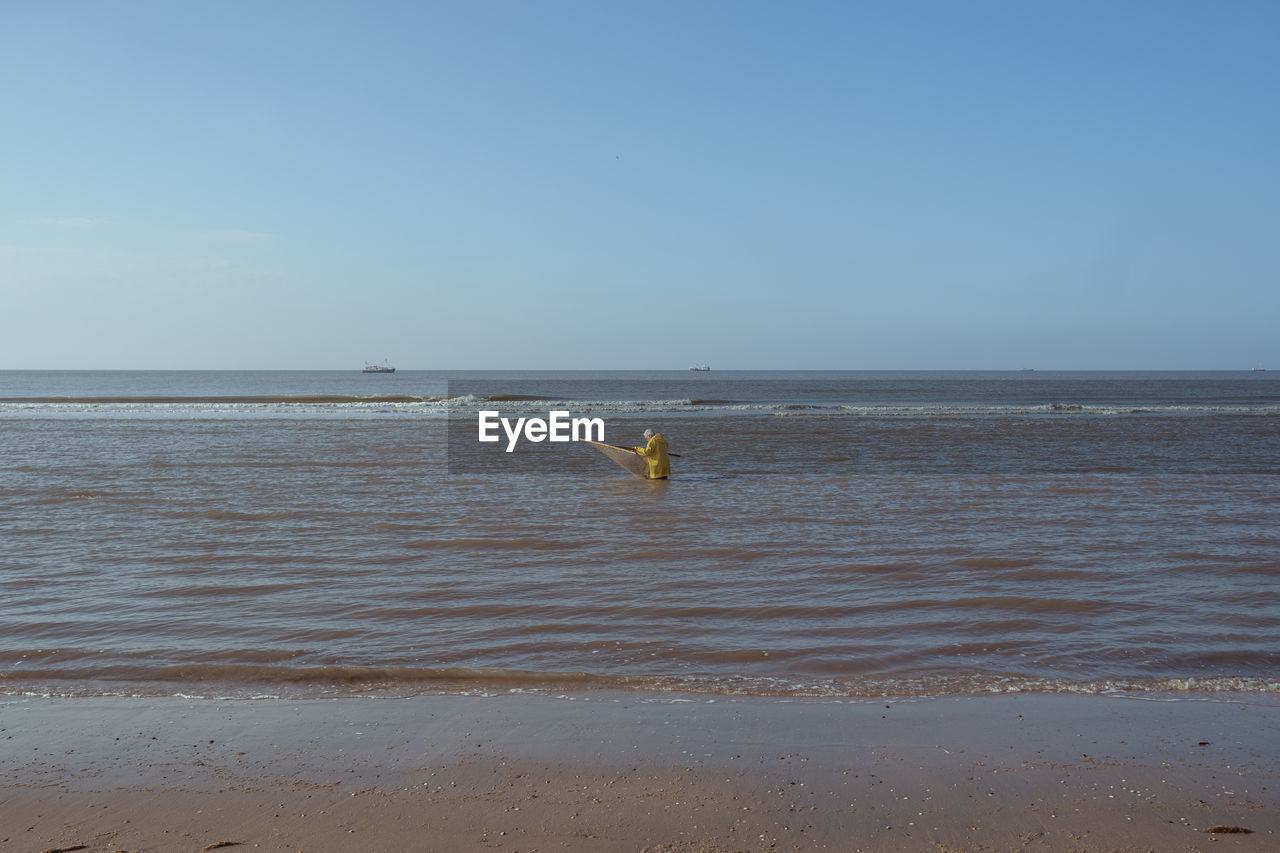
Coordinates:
<point>638,772</point>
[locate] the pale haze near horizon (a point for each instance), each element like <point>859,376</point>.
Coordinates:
<point>920,185</point>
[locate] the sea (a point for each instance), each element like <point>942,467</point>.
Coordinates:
<point>834,534</point>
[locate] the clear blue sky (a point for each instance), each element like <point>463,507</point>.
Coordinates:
<point>839,185</point>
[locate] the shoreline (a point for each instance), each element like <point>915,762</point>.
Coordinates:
<point>638,772</point>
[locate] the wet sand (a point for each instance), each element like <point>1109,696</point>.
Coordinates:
<point>639,772</point>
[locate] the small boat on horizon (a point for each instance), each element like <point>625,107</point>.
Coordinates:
<point>1258,368</point>
<point>385,367</point>
<point>700,367</point>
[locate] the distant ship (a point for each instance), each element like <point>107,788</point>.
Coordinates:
<point>1259,369</point>
<point>378,368</point>
<point>700,367</point>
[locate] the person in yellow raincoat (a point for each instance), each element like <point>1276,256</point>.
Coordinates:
<point>655,450</point>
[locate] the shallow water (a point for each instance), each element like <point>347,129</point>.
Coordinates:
<point>836,534</point>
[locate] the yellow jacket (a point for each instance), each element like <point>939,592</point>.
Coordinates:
<point>656,452</point>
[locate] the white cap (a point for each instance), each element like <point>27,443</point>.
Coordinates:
<point>648,433</point>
